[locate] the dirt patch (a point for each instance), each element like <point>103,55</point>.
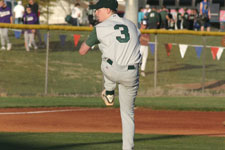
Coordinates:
<point>108,120</point>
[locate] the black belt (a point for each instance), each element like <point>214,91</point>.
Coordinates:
<point>130,67</point>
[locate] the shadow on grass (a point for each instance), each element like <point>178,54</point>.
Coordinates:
<point>183,67</point>
<point>213,85</point>
<point>56,46</point>
<point>15,145</point>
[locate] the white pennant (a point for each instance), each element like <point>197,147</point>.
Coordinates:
<point>183,49</point>
<point>219,53</point>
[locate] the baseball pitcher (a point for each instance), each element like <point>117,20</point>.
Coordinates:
<point>118,40</point>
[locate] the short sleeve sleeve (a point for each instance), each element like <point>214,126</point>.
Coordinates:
<point>92,39</point>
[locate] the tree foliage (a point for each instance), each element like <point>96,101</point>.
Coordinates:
<point>42,3</point>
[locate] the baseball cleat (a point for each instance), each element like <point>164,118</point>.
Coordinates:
<point>108,99</point>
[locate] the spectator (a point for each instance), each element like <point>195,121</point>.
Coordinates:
<point>185,19</point>
<point>147,10</point>
<point>171,22</point>
<point>5,17</point>
<point>164,18</point>
<point>141,16</point>
<point>178,19</point>
<point>29,18</point>
<point>197,20</point>
<point>91,16</point>
<point>153,19</point>
<point>191,19</point>
<point>76,13</point>
<point>35,9</point>
<point>18,11</point>
<point>144,39</point>
<point>205,15</point>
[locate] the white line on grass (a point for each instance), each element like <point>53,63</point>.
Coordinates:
<point>48,111</point>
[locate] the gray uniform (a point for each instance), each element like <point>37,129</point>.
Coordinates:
<point>118,40</point>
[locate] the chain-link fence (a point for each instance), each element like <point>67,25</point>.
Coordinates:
<point>178,64</point>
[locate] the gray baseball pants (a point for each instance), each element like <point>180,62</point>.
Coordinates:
<point>128,83</point>
<point>4,36</point>
<point>29,39</point>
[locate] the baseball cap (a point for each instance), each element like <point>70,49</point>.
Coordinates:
<point>147,6</point>
<point>111,4</point>
<point>19,2</point>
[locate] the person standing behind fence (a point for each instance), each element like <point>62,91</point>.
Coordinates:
<point>191,19</point>
<point>178,19</point>
<point>76,13</point>
<point>164,18</point>
<point>29,18</point>
<point>5,17</point>
<point>197,20</point>
<point>35,9</point>
<point>18,11</point>
<point>171,22</point>
<point>205,15</point>
<point>91,15</point>
<point>141,16</point>
<point>144,39</point>
<point>153,19</point>
<point>147,10</point>
<point>185,19</point>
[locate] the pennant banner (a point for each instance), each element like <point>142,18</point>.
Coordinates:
<point>198,50</point>
<point>214,51</point>
<point>62,39</point>
<point>17,34</point>
<point>168,48</point>
<point>152,47</point>
<point>219,53</point>
<point>183,49</point>
<point>76,39</point>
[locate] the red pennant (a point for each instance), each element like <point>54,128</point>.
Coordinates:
<point>214,51</point>
<point>76,38</point>
<point>168,48</point>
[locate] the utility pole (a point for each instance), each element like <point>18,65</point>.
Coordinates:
<point>131,10</point>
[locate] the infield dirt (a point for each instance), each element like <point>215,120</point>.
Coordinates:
<point>108,120</point>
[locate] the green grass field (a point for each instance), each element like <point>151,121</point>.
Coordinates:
<point>164,103</point>
<point>103,141</point>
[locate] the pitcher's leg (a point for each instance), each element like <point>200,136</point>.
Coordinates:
<point>109,85</point>
<point>127,97</point>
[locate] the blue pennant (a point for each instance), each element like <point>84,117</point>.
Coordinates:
<point>45,38</point>
<point>152,47</point>
<point>17,34</point>
<point>62,39</point>
<point>198,50</point>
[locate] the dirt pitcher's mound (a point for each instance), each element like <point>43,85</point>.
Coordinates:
<point>108,120</point>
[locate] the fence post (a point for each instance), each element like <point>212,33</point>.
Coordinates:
<point>203,64</point>
<point>46,64</point>
<point>47,54</point>
<point>155,62</point>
